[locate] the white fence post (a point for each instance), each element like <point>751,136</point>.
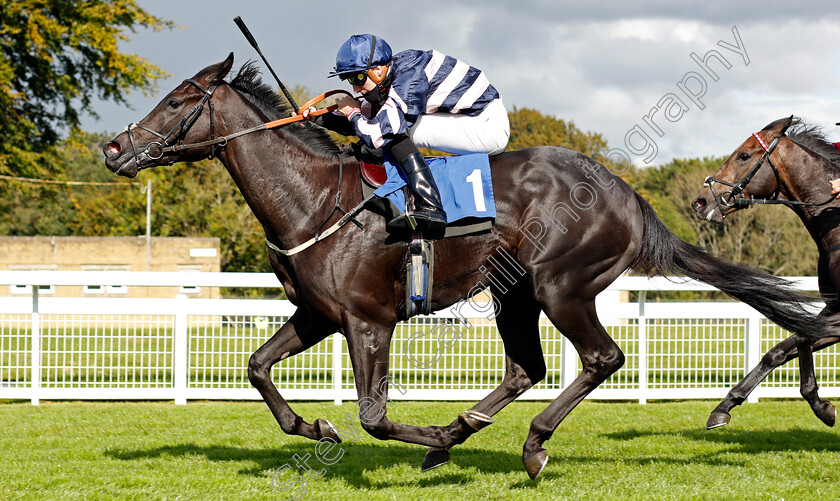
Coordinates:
<point>643,352</point>
<point>752,350</point>
<point>336,367</point>
<point>179,350</point>
<point>35,378</point>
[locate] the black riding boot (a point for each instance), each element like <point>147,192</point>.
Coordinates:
<point>428,211</point>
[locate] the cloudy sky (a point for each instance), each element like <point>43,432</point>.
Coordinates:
<point>603,65</point>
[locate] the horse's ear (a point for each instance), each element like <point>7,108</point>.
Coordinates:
<point>786,124</point>
<point>222,70</point>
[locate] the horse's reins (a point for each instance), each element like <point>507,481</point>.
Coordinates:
<point>735,196</point>
<point>165,147</point>
<point>155,150</point>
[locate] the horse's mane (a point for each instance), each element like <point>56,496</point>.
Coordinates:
<point>247,81</point>
<point>812,138</point>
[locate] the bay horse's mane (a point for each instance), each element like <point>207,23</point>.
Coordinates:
<point>812,138</point>
<point>248,82</point>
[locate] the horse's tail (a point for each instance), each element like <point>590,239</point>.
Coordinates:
<point>663,253</point>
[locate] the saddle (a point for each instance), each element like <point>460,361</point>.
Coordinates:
<point>419,268</point>
<point>374,176</point>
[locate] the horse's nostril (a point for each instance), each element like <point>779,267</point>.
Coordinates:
<point>113,148</point>
<point>699,204</point>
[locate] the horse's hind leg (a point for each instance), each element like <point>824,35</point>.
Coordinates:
<point>369,342</point>
<point>808,382</point>
<point>779,355</point>
<point>301,332</point>
<point>517,319</point>
<point>601,357</point>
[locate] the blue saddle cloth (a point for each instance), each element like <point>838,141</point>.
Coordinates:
<point>464,182</point>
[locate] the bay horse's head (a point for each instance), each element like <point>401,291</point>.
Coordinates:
<point>178,118</point>
<point>750,172</point>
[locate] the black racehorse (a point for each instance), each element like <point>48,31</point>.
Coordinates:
<point>791,163</point>
<point>571,225</point>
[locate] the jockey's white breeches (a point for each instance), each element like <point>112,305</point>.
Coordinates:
<point>488,132</point>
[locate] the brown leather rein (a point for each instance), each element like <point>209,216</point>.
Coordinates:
<point>221,141</point>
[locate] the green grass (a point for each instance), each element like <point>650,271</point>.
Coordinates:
<point>226,450</point>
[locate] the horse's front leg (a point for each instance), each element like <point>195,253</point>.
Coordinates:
<point>369,345</point>
<point>302,331</point>
<point>779,355</point>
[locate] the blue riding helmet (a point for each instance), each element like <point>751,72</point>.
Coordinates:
<point>356,54</point>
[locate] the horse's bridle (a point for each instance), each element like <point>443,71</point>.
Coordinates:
<point>735,196</point>
<point>155,150</point>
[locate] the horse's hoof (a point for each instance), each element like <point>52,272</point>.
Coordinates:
<point>435,457</point>
<point>534,465</point>
<point>475,420</point>
<point>717,419</point>
<point>828,415</point>
<point>327,430</point>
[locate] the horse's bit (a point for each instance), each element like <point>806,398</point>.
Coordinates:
<point>155,150</point>
<point>735,197</point>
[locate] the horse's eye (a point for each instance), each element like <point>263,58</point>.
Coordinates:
<point>173,103</point>
<point>744,156</point>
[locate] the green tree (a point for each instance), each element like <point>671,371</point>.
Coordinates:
<point>31,209</point>
<point>531,128</point>
<point>189,199</point>
<point>56,57</point>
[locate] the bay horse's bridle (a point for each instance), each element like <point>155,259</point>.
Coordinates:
<point>735,197</point>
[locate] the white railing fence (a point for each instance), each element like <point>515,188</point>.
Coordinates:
<point>183,349</point>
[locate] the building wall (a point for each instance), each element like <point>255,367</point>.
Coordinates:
<point>111,253</point>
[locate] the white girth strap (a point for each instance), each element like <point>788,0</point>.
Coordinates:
<point>312,241</point>
<point>329,231</point>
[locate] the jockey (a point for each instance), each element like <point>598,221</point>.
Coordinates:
<point>417,98</point>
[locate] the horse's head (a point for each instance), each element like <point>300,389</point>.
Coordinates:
<point>178,118</point>
<point>748,173</point>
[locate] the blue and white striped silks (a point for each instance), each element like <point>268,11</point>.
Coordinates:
<point>425,82</point>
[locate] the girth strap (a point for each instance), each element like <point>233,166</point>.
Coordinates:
<point>329,231</point>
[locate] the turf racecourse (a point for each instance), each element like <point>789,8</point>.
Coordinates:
<point>232,450</point>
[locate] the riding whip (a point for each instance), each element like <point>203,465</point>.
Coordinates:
<point>245,31</point>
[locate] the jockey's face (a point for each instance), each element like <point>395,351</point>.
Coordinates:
<point>377,73</point>
<point>364,89</point>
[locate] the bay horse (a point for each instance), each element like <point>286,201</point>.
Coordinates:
<point>571,226</point>
<point>791,163</point>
